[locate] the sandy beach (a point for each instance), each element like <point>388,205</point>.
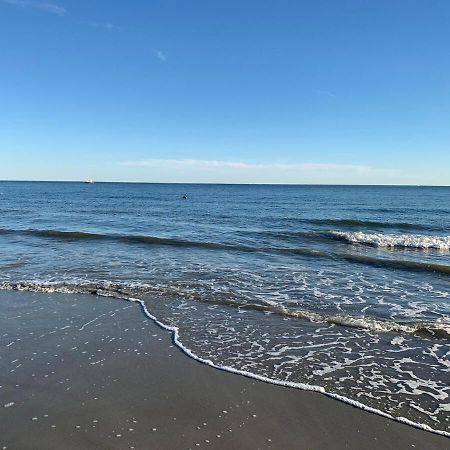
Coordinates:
<point>87,372</point>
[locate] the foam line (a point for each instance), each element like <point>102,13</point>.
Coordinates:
<point>302,386</point>
<point>429,329</point>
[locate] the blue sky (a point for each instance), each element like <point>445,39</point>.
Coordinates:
<point>349,91</point>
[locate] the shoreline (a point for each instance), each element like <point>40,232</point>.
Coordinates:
<point>287,384</point>
<point>68,340</point>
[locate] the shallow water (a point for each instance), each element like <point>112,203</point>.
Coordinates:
<point>342,288</point>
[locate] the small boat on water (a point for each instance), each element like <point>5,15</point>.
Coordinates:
<point>89,181</point>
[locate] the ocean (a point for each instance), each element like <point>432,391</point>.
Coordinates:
<point>344,290</point>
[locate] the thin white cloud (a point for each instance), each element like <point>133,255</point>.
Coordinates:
<point>160,55</point>
<point>104,25</point>
<point>48,7</point>
<point>245,165</point>
<point>327,94</point>
<point>252,172</point>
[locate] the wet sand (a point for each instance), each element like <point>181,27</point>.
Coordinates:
<point>86,372</point>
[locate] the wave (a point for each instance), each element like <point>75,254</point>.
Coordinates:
<point>394,240</point>
<point>154,240</point>
<point>144,239</point>
<point>402,264</point>
<point>126,291</point>
<point>353,223</point>
<point>300,251</point>
<point>427,329</point>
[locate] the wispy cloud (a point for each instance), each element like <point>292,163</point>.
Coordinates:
<point>238,165</point>
<point>104,25</point>
<point>326,94</point>
<point>160,55</point>
<point>254,172</point>
<point>48,7</point>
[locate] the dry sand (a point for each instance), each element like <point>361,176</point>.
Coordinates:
<point>81,372</point>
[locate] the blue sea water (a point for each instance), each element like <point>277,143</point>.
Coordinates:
<point>343,289</point>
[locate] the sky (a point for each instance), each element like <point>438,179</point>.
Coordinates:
<point>254,91</point>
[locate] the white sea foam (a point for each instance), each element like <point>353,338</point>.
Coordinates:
<point>372,324</point>
<point>297,385</point>
<point>395,240</point>
<point>363,322</point>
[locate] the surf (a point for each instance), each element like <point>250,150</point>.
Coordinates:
<point>125,291</point>
<point>422,242</point>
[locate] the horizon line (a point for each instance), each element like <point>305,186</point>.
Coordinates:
<point>224,184</point>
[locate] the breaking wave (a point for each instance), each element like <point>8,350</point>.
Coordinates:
<point>394,240</point>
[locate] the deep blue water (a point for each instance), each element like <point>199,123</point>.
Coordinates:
<point>342,287</point>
